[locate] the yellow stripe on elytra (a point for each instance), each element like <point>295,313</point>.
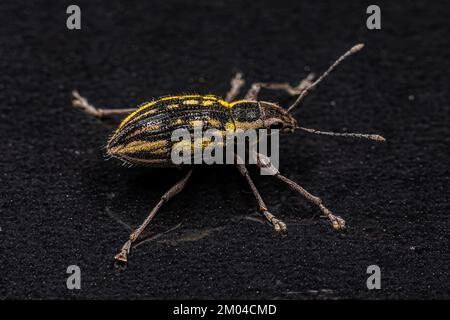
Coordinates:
<point>196,123</point>
<point>190,102</point>
<point>140,116</point>
<point>154,127</point>
<point>131,115</point>
<point>224,103</point>
<point>153,146</point>
<point>210,97</point>
<point>180,97</point>
<point>149,161</point>
<point>200,143</point>
<point>229,126</point>
<point>207,103</point>
<point>208,100</point>
<point>152,103</point>
<point>214,122</point>
<point>231,105</point>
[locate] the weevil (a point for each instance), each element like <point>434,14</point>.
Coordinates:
<point>143,137</point>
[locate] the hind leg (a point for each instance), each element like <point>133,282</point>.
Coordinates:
<point>122,256</point>
<point>82,103</point>
<point>256,87</point>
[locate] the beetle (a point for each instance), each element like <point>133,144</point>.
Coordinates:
<point>143,137</point>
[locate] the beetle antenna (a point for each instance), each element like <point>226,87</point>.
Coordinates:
<point>374,137</point>
<point>353,50</point>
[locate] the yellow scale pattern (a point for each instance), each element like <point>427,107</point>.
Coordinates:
<point>208,100</point>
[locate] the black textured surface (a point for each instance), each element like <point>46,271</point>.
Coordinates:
<point>61,203</point>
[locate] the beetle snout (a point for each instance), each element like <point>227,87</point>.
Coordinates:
<point>290,125</point>
<point>289,129</point>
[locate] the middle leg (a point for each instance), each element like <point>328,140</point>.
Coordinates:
<point>236,84</point>
<point>256,87</point>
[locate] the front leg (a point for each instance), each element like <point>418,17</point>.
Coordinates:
<point>82,103</point>
<point>278,225</point>
<point>337,222</point>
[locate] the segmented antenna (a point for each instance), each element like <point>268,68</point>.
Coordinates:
<point>374,137</point>
<point>354,49</point>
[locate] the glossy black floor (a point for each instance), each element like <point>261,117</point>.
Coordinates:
<point>62,204</point>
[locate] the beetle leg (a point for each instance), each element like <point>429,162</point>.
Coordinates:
<point>122,256</point>
<point>256,87</point>
<point>337,222</point>
<point>278,225</point>
<point>81,102</point>
<point>236,84</point>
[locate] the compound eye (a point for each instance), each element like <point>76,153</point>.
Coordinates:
<point>276,125</point>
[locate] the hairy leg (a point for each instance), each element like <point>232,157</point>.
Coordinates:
<point>236,84</point>
<point>82,103</point>
<point>256,87</point>
<point>337,222</point>
<point>278,225</point>
<point>122,256</point>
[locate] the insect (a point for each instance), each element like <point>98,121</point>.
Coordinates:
<point>143,137</point>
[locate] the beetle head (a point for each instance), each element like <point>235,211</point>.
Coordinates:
<point>275,117</point>
<point>262,115</point>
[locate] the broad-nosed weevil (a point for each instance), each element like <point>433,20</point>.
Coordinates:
<point>144,136</point>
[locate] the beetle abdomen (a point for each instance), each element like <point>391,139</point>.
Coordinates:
<point>144,137</point>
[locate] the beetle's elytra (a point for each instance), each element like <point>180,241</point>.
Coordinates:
<point>144,136</point>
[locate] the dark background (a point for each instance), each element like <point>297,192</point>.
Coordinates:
<point>62,204</point>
